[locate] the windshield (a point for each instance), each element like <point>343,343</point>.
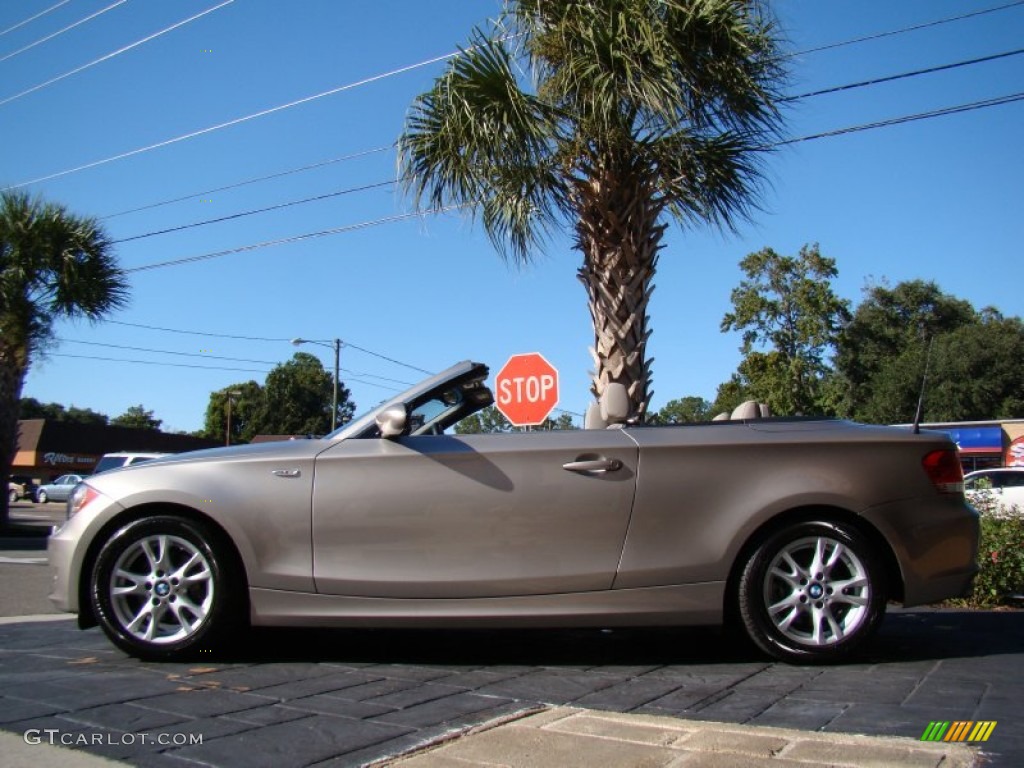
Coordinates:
<point>109,462</point>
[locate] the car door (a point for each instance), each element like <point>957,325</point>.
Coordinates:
<point>482,515</point>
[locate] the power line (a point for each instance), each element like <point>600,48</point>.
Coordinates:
<point>994,102</point>
<point>292,239</point>
<point>59,32</point>
<point>112,54</point>
<point>834,89</point>
<point>904,30</point>
<point>998,101</point>
<point>253,212</point>
<point>33,18</point>
<point>427,62</point>
<point>211,334</point>
<point>236,121</point>
<point>155,362</point>
<point>904,75</point>
<point>209,356</point>
<point>236,185</point>
<point>168,352</point>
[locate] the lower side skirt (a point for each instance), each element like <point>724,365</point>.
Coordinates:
<point>690,604</point>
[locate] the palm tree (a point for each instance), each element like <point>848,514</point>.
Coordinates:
<point>641,111</point>
<point>52,265</point>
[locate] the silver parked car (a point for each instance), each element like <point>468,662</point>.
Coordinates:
<point>59,490</point>
<point>800,529</point>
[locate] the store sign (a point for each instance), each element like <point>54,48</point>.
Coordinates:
<point>55,459</point>
<point>977,439</point>
<point>1015,453</point>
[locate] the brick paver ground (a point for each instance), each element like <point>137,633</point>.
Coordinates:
<point>345,698</point>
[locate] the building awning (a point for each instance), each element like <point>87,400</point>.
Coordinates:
<point>975,440</point>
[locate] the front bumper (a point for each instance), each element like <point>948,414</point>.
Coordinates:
<point>68,548</point>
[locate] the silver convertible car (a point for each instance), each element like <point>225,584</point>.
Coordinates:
<point>797,530</point>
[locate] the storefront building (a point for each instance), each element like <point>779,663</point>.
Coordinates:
<point>985,444</point>
<point>47,448</point>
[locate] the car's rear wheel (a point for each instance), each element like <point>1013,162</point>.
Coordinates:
<point>162,588</point>
<point>12,496</point>
<point>812,592</point>
<point>41,497</point>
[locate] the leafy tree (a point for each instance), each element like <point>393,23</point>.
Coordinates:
<point>53,265</point>
<point>30,408</point>
<point>684,410</point>
<point>137,417</point>
<point>643,112</point>
<point>247,401</point>
<point>729,395</point>
<point>491,420</point>
<point>790,318</point>
<point>883,351</point>
<point>297,399</point>
<point>974,360</point>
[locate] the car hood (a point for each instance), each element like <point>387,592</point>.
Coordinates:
<point>284,449</point>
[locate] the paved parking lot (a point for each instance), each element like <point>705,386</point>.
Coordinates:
<point>291,697</point>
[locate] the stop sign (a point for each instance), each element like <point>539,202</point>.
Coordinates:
<point>527,389</point>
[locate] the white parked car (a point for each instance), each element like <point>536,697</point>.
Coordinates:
<point>1004,485</point>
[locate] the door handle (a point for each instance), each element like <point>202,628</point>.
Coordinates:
<point>285,472</point>
<point>593,465</point>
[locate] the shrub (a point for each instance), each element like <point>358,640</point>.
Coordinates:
<point>1000,556</point>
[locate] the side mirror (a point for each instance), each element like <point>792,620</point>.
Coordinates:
<point>392,421</point>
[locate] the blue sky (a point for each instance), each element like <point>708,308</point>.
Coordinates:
<point>938,199</point>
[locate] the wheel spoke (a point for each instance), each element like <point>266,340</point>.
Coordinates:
<point>136,584</point>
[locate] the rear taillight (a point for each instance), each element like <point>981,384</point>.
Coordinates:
<point>944,470</point>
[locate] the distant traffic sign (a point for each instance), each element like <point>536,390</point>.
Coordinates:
<point>527,389</point>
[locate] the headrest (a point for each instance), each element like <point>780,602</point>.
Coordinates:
<point>751,410</point>
<point>614,403</point>
<point>592,418</point>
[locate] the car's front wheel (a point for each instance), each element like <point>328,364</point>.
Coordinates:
<point>41,497</point>
<point>163,589</point>
<point>12,496</point>
<point>812,592</point>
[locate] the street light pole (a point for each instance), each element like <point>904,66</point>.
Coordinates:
<point>227,431</point>
<point>337,361</point>
<point>336,344</point>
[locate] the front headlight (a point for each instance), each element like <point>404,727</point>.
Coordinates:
<point>80,497</point>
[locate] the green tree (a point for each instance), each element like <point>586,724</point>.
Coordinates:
<point>53,265</point>
<point>137,417</point>
<point>974,360</point>
<point>883,350</point>
<point>643,112</point>
<point>729,395</point>
<point>30,408</point>
<point>790,319</point>
<point>247,404</point>
<point>297,399</point>
<point>491,420</point>
<point>684,410</point>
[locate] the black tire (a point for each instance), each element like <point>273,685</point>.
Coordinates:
<point>812,593</point>
<point>185,598</point>
<point>12,496</point>
<point>41,497</point>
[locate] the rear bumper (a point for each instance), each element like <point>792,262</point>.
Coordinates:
<point>935,541</point>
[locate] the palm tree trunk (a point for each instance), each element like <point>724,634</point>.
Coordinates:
<point>618,233</point>
<point>11,380</point>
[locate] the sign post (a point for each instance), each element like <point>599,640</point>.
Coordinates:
<point>526,389</point>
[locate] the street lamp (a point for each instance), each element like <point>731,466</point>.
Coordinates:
<point>227,431</point>
<point>337,359</point>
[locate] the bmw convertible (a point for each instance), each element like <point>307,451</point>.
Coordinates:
<point>797,531</point>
